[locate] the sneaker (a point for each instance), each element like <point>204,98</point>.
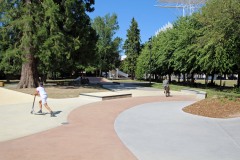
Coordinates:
<point>52,114</point>
<point>40,111</point>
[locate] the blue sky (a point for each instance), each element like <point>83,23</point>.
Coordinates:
<point>149,17</point>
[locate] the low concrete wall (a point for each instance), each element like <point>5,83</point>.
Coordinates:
<point>199,94</point>
<point>106,95</point>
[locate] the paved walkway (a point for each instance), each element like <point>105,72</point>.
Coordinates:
<point>100,130</point>
<point>162,131</point>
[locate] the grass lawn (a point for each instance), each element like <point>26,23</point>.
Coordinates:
<point>227,83</point>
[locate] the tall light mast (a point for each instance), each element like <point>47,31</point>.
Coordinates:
<point>187,6</point>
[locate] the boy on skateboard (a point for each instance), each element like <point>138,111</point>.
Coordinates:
<point>43,94</point>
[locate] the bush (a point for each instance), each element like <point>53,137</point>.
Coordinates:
<point>236,90</point>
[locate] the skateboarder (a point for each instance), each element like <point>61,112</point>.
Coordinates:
<point>43,94</point>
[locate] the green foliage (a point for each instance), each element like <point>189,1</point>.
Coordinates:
<point>206,42</point>
<point>108,52</point>
<point>132,47</point>
<point>57,33</point>
<point>236,90</point>
<point>10,56</point>
<point>163,48</point>
<point>219,27</point>
<point>185,54</point>
<point>142,63</point>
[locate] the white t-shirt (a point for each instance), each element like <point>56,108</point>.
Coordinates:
<point>42,91</point>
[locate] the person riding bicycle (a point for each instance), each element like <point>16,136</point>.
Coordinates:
<point>165,83</point>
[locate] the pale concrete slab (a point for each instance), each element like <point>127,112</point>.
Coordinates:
<point>16,120</point>
<point>163,131</point>
<point>106,95</point>
<point>8,97</point>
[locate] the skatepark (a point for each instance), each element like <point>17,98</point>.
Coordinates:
<point>143,125</point>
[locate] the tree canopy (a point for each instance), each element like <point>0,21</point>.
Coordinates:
<point>45,36</point>
<point>206,42</point>
<point>108,46</point>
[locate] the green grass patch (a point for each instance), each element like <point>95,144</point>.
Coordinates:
<point>227,83</point>
<point>230,93</point>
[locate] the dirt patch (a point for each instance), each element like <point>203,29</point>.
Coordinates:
<point>215,108</point>
<point>63,91</point>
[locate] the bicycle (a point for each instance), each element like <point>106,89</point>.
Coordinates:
<point>167,91</point>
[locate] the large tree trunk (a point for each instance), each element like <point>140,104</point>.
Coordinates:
<point>132,75</point>
<point>212,78</point>
<point>29,74</point>
<point>169,78</point>
<point>206,79</point>
<point>184,77</point>
<point>179,77</point>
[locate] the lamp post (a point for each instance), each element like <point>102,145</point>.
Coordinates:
<point>150,59</point>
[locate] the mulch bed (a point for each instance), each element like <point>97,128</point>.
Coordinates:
<point>215,108</point>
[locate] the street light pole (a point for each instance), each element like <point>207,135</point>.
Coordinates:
<point>150,59</point>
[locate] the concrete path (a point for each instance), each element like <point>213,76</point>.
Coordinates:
<point>161,130</point>
<point>16,120</point>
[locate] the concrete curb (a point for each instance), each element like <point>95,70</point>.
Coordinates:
<point>199,94</point>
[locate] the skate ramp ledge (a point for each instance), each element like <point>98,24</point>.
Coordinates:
<point>106,95</point>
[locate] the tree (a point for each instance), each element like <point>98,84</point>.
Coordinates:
<point>142,66</point>
<point>107,46</point>
<point>10,59</point>
<point>220,40</point>
<point>206,42</point>
<point>164,48</point>
<point>46,34</point>
<point>132,47</point>
<point>69,37</point>
<point>156,55</point>
<point>185,57</point>
<point>18,28</point>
